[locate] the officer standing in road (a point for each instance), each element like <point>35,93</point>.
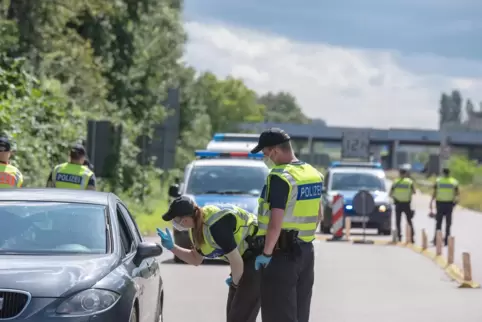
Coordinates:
<point>73,174</point>
<point>402,190</point>
<point>445,194</point>
<point>215,232</point>
<point>289,212</point>
<point>10,176</point>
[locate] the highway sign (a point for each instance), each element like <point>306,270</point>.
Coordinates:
<point>363,203</point>
<point>355,144</point>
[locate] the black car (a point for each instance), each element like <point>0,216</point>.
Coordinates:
<point>72,255</point>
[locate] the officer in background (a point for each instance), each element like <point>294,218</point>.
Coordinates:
<point>401,192</point>
<point>10,176</point>
<point>73,174</point>
<point>289,212</point>
<point>445,194</point>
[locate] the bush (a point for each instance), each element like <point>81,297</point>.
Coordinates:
<point>464,170</point>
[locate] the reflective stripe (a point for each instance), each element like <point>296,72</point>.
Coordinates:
<point>445,185</point>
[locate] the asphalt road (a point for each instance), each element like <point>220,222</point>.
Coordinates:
<point>363,283</point>
<point>466,228</point>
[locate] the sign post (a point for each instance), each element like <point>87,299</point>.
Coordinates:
<point>355,145</point>
<point>363,204</point>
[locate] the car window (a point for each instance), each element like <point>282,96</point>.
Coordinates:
<point>52,228</point>
<point>356,181</point>
<point>127,239</point>
<point>132,223</point>
<point>226,179</point>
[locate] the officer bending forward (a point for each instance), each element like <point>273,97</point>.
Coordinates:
<point>289,212</point>
<point>215,232</point>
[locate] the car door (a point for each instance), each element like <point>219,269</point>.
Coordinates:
<point>149,269</point>
<point>129,248</point>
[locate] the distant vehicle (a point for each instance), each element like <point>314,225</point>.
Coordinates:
<point>221,178</point>
<point>347,181</point>
<point>75,255</point>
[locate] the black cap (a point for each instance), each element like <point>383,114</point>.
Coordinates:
<point>181,206</point>
<point>5,145</point>
<point>271,137</point>
<point>78,149</point>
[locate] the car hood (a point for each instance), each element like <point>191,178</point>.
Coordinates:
<point>379,196</point>
<point>53,276</point>
<point>248,203</point>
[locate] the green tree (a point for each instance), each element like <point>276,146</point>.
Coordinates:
<point>282,107</point>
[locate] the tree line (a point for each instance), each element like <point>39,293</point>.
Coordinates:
<point>451,112</point>
<point>65,62</point>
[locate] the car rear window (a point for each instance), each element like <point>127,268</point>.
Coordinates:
<point>52,228</point>
<point>226,179</point>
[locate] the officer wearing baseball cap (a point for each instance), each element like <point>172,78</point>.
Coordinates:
<point>223,232</point>
<point>288,214</point>
<point>10,176</point>
<point>73,174</point>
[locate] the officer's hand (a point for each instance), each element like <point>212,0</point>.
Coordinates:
<point>229,282</point>
<point>261,260</point>
<point>166,239</point>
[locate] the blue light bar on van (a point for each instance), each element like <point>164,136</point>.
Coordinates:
<point>371,165</point>
<point>202,154</point>
<point>235,137</point>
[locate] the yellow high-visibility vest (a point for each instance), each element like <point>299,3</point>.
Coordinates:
<point>301,211</point>
<point>71,176</point>
<point>446,189</point>
<point>402,190</point>
<point>245,226</point>
<point>10,176</point>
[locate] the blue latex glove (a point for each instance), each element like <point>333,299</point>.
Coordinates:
<point>166,239</point>
<point>262,260</point>
<point>229,280</point>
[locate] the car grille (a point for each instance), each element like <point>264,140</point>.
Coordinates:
<point>12,303</point>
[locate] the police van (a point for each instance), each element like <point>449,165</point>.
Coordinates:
<point>218,178</point>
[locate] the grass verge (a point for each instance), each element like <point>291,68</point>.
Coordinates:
<point>148,213</point>
<point>470,196</point>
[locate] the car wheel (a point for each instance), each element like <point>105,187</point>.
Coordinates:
<point>133,317</point>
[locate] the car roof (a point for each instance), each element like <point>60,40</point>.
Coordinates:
<point>56,195</point>
<point>229,162</point>
<point>376,172</point>
<point>223,146</point>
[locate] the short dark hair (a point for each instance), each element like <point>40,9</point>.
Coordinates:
<point>76,155</point>
<point>285,146</point>
<point>446,171</point>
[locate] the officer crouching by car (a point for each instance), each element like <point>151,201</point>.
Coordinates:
<point>401,192</point>
<point>289,212</point>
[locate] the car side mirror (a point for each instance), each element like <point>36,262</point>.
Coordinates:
<point>174,191</point>
<point>146,250</point>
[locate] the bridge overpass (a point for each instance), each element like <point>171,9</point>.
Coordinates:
<point>394,138</point>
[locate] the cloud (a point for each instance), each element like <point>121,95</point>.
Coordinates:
<point>350,87</point>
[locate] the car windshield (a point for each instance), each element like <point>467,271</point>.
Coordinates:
<point>51,228</point>
<point>357,181</point>
<point>226,180</point>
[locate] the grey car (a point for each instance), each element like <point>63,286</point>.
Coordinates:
<point>71,255</point>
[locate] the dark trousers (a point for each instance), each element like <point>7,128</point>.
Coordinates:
<point>444,210</point>
<point>404,208</point>
<point>287,286</point>
<point>244,302</point>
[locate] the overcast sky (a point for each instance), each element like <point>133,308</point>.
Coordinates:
<point>378,63</point>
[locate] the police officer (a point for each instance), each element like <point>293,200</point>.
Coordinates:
<point>10,176</point>
<point>215,232</point>
<point>73,174</point>
<point>402,190</point>
<point>289,212</point>
<point>445,194</point>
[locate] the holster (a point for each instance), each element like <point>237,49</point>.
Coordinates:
<point>288,243</point>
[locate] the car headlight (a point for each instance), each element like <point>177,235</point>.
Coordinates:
<point>382,208</point>
<point>88,302</point>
